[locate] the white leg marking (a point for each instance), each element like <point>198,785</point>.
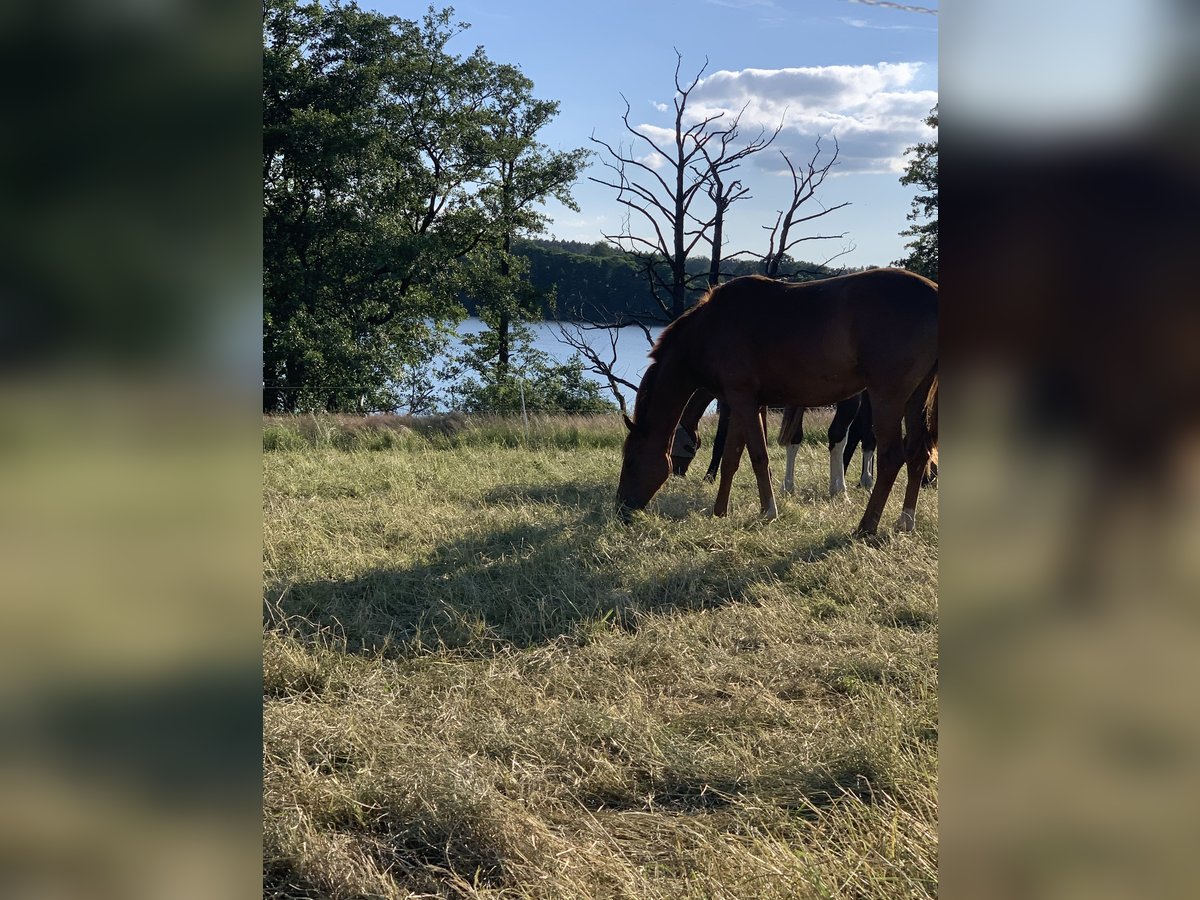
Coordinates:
<point>907,520</point>
<point>868,470</point>
<point>789,486</point>
<point>837,474</point>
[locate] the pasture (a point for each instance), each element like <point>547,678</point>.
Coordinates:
<point>478,683</point>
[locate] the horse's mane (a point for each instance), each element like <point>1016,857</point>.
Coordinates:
<point>672,333</point>
<point>670,337</point>
<point>667,339</point>
<point>645,389</point>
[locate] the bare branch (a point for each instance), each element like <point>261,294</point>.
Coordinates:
<point>816,270</point>
<point>804,187</point>
<point>665,187</point>
<point>571,335</point>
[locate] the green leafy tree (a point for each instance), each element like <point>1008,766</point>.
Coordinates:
<point>546,385</point>
<point>922,171</point>
<point>373,137</point>
<point>522,173</point>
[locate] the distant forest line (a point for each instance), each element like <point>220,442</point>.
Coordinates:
<point>597,281</point>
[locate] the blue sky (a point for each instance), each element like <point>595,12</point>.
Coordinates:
<point>861,69</point>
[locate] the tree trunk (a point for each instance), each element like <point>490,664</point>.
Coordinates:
<point>502,353</point>
<point>714,267</point>
<point>503,325</point>
<point>294,376</point>
<point>679,260</point>
<point>271,399</point>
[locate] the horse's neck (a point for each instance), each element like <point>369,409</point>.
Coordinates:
<point>667,399</point>
<point>690,419</point>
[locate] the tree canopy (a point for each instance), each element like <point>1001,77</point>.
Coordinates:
<point>922,171</point>
<point>393,170</point>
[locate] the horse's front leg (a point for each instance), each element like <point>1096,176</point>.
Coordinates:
<point>789,473</point>
<point>891,458</point>
<point>756,446</point>
<point>866,433</point>
<point>791,432</point>
<point>718,449</point>
<point>731,457</point>
<point>839,436</point>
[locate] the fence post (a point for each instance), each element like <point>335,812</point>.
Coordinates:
<point>524,417</point>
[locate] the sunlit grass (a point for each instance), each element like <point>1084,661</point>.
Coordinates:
<point>478,683</point>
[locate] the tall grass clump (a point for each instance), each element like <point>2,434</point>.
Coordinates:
<point>454,430</point>
<point>478,683</point>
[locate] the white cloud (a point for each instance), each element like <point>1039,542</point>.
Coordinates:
<point>660,135</point>
<point>872,110</point>
<point>807,86</point>
<point>905,7</point>
<point>863,23</point>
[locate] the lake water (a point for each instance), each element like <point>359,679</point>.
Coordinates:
<point>631,350</point>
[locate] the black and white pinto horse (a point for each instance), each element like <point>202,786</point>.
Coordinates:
<point>850,428</point>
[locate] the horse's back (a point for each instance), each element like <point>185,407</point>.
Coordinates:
<point>872,289</point>
<point>848,309</point>
<point>830,334</point>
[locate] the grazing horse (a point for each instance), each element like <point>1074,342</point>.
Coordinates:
<point>850,427</point>
<point>756,342</point>
<point>687,441</point>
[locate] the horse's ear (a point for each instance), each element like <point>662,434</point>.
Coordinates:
<point>628,421</point>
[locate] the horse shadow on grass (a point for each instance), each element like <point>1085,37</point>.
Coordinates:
<point>595,499</point>
<point>527,584</point>
<point>678,499</point>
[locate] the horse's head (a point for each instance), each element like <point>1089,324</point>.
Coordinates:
<point>684,446</point>
<point>645,467</point>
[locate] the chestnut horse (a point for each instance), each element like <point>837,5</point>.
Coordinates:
<point>755,342</point>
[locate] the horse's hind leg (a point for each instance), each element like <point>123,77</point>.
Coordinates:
<point>865,427</point>
<point>887,415</point>
<point>731,456</point>
<point>791,432</point>
<point>839,432</point>
<point>718,449</point>
<point>756,446</point>
<point>917,453</point>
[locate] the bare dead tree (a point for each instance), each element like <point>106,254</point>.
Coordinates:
<point>660,190</point>
<point>724,193</point>
<point>573,335</point>
<point>805,183</point>
<point>663,203</point>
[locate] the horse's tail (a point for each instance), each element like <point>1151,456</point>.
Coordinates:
<point>924,425</point>
<point>931,412</point>
<point>793,422</point>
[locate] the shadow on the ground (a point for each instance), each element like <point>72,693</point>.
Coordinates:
<point>595,499</point>
<point>529,583</point>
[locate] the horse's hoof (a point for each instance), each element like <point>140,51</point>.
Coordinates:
<point>907,520</point>
<point>866,483</point>
<point>770,513</point>
<point>787,488</point>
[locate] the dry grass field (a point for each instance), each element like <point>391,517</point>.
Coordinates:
<point>479,684</point>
